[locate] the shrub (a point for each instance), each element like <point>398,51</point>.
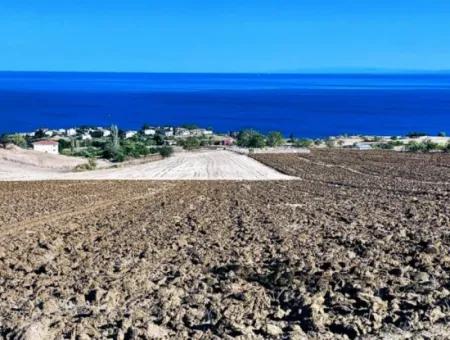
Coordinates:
<point>89,152</point>
<point>114,154</point>
<point>384,146</point>
<point>166,151</point>
<point>90,165</point>
<point>190,143</point>
<point>430,146</point>
<point>275,138</point>
<point>425,146</point>
<point>414,147</point>
<point>303,143</point>
<point>446,148</point>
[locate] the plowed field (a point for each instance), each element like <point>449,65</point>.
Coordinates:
<point>357,247</point>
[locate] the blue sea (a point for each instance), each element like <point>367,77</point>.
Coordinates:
<point>308,105</point>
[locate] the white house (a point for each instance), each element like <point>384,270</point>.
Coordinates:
<point>47,146</point>
<point>71,132</point>
<point>86,136</point>
<point>130,134</point>
<point>207,132</point>
<point>149,132</point>
<point>363,146</point>
<point>105,132</point>
<point>181,132</point>
<point>201,132</point>
<point>167,133</point>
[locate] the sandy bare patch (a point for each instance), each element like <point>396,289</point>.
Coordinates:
<point>31,158</point>
<point>204,165</point>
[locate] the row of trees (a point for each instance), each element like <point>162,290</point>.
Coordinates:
<point>253,139</point>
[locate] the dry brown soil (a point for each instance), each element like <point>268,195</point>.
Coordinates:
<point>358,247</point>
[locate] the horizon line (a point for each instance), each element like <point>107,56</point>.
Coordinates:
<point>362,71</point>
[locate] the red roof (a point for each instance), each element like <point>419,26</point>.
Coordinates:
<point>46,142</point>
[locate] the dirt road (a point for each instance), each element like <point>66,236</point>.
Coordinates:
<point>202,165</point>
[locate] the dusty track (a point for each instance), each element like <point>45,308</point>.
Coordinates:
<point>201,165</point>
<point>336,255</point>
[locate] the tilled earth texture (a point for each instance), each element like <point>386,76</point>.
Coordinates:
<point>358,247</point>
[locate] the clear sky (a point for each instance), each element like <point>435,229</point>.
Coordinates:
<point>224,36</point>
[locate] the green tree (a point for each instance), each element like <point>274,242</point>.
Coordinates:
<point>64,144</point>
<point>275,138</point>
<point>303,143</point>
<point>159,140</point>
<point>39,134</point>
<point>165,151</point>
<point>250,139</point>
<point>16,139</point>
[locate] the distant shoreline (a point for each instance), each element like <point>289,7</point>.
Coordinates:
<point>306,105</point>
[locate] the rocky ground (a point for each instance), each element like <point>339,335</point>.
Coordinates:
<point>358,247</point>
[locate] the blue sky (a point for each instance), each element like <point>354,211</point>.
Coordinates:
<point>224,36</point>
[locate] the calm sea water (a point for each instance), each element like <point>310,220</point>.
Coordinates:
<point>306,105</point>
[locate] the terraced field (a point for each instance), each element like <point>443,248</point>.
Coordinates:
<point>358,247</point>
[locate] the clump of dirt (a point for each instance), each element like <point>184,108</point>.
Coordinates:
<point>340,253</point>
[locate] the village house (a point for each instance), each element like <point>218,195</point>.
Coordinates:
<point>71,132</point>
<point>201,132</point>
<point>182,132</point>
<point>130,134</point>
<point>362,146</point>
<point>149,132</point>
<point>47,146</point>
<point>105,132</point>
<point>167,132</point>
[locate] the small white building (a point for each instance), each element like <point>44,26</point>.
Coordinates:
<point>201,132</point>
<point>71,132</point>
<point>363,146</point>
<point>149,132</point>
<point>181,132</point>
<point>167,133</point>
<point>47,146</point>
<point>130,134</point>
<point>86,136</point>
